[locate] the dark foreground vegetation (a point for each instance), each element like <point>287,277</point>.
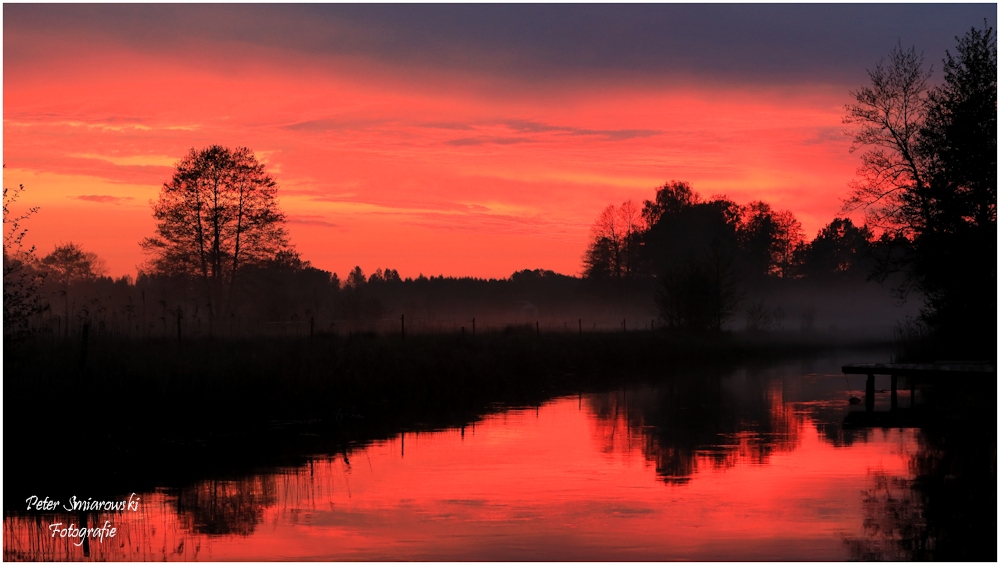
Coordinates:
<point>128,416</point>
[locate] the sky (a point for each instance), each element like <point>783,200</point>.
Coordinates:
<point>463,140</point>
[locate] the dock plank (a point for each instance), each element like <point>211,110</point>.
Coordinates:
<point>920,369</point>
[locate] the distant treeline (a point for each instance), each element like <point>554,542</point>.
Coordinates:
<point>286,296</point>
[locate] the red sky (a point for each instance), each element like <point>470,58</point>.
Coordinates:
<point>406,145</point>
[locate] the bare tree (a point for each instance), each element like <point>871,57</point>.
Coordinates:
<point>928,181</point>
<point>888,115</point>
<point>614,246</point>
<point>603,257</point>
<point>632,225</point>
<point>217,214</point>
<point>788,239</point>
<point>20,280</point>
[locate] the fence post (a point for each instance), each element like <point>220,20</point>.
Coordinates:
<point>623,325</point>
<point>312,325</point>
<point>537,332</point>
<point>473,326</point>
<point>402,325</point>
<point>870,393</point>
<point>580,322</point>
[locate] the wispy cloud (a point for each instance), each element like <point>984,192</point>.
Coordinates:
<point>487,140</point>
<point>331,124</point>
<point>104,198</point>
<point>530,126</point>
<point>309,220</point>
<point>132,160</point>
<point>387,204</point>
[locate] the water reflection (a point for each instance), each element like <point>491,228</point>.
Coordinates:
<point>752,465</point>
<point>225,507</point>
<point>709,420</point>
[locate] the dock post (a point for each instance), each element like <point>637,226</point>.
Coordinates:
<point>893,386</point>
<point>870,394</point>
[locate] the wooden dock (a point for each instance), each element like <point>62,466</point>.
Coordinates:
<point>915,371</point>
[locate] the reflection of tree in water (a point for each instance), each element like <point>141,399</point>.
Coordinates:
<point>232,507</point>
<point>893,522</point>
<point>956,481</point>
<point>692,421</point>
<point>947,511</point>
<point>179,524</point>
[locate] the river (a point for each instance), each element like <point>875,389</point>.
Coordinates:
<point>754,464</point>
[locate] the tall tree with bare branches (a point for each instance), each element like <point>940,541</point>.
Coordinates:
<point>888,115</point>
<point>928,179</point>
<point>218,214</point>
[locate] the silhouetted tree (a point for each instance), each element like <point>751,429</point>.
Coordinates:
<point>21,281</point>
<point>756,231</point>
<point>356,278</point>
<point>688,230</point>
<point>787,240</point>
<point>615,240</point>
<point>929,178</point>
<point>216,215</point>
<point>701,292</point>
<point>768,239</point>
<point>955,254</point>
<point>889,114</point>
<point>69,264</point>
<point>670,198</point>
<point>839,249</point>
<point>959,139</point>
<point>386,276</point>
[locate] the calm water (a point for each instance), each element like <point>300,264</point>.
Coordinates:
<point>754,465</point>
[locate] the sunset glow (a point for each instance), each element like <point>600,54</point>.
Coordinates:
<point>454,166</point>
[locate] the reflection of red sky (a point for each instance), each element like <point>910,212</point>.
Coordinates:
<point>423,172</point>
<point>540,487</point>
<point>527,487</point>
<point>543,485</point>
